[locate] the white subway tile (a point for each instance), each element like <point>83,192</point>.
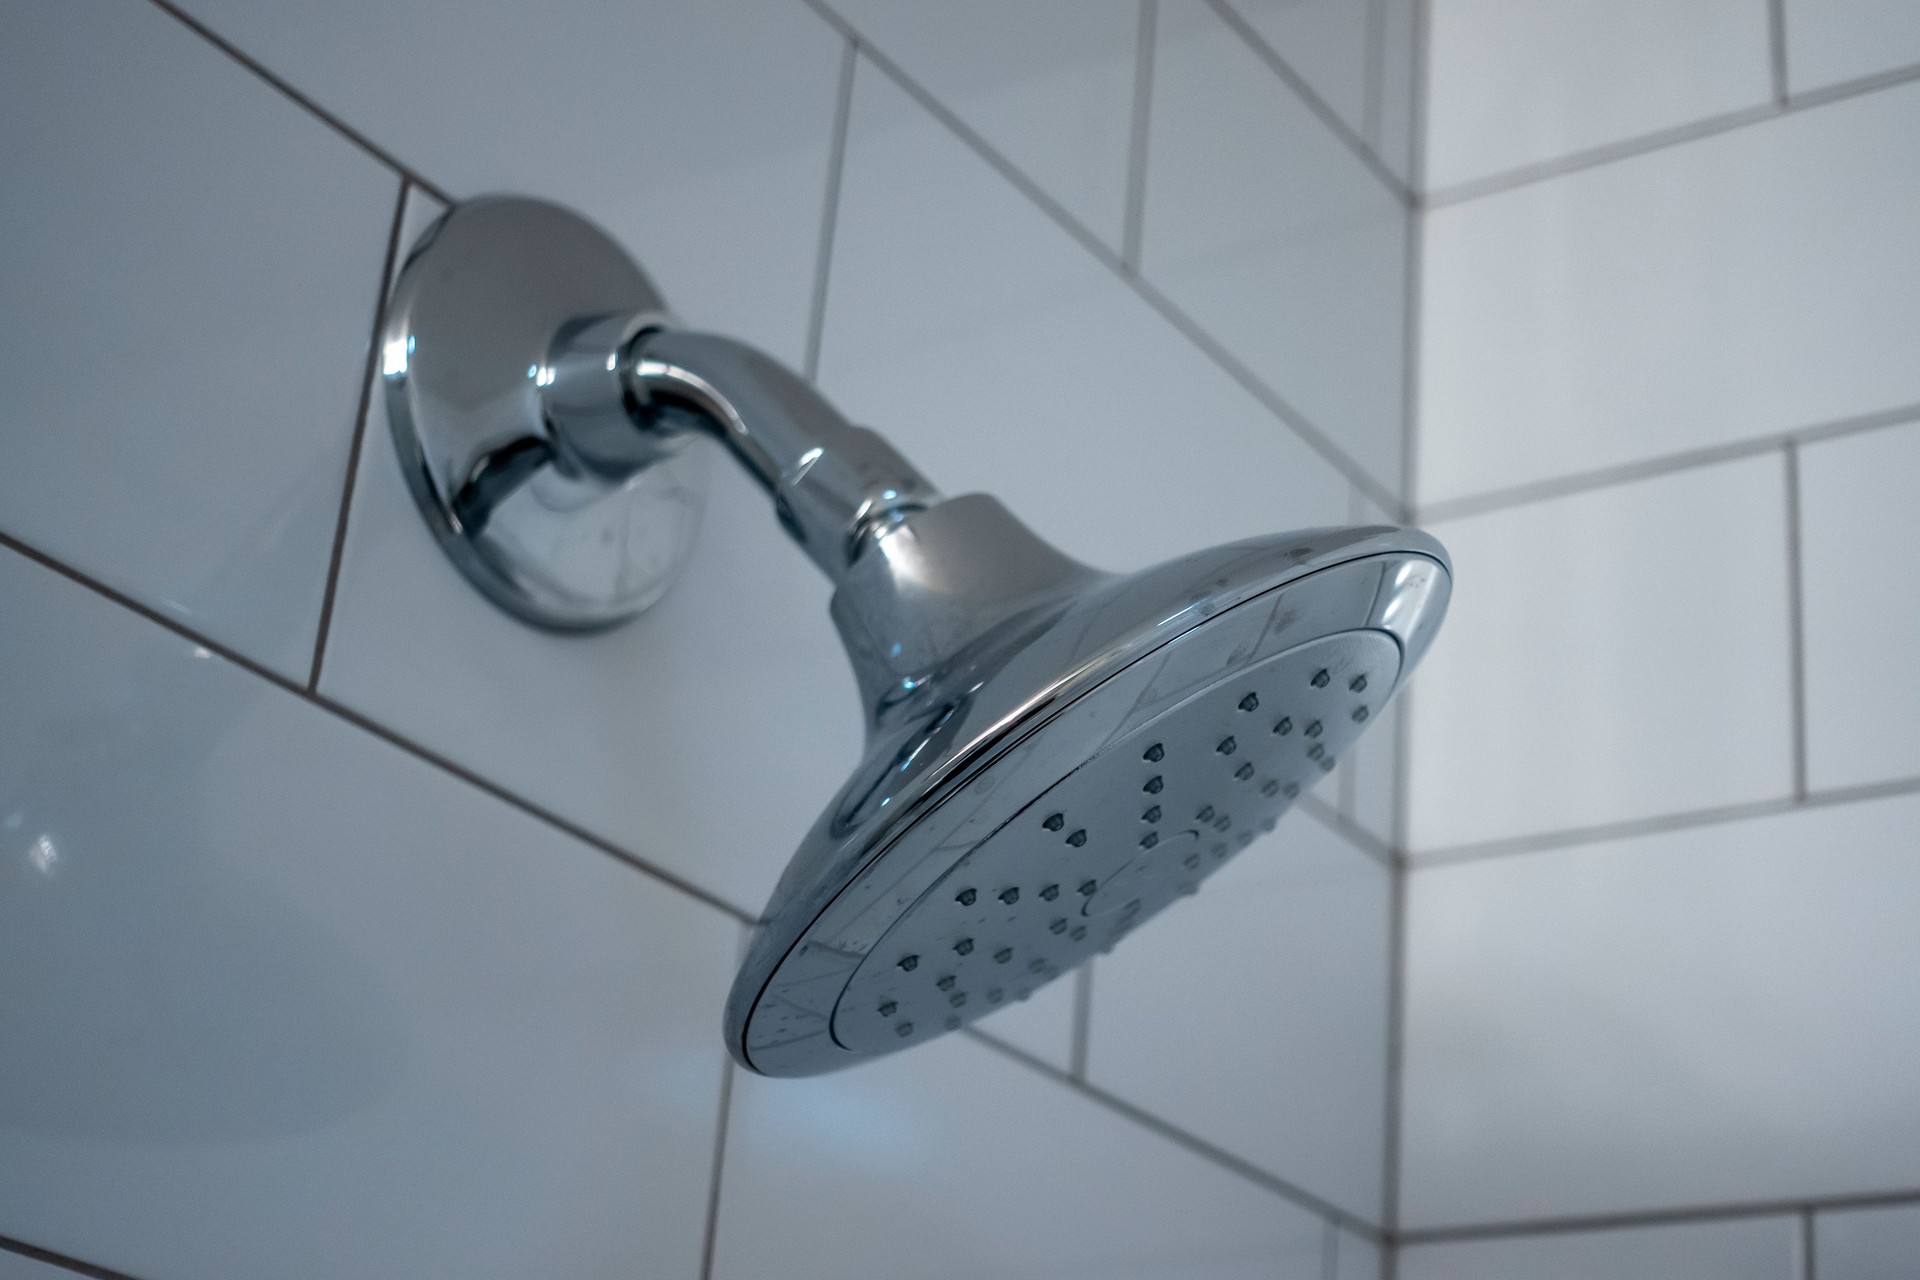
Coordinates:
<point>1279,241</point>
<point>1613,655</point>
<point>1860,528</point>
<point>1049,86</point>
<point>1719,1015</point>
<point>953,1162</point>
<point>1830,41</point>
<point>698,134</point>
<point>190,276</point>
<point>1517,82</point>
<point>1867,1244</point>
<point>285,1001</point>
<point>1255,1015</point>
<point>1755,281</point>
<point>1760,1249</point>
<point>1001,356</point>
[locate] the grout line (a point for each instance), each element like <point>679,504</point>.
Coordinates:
<point>389,736</point>
<point>1363,840</point>
<point>1601,833</point>
<point>1629,472</point>
<point>300,99</point>
<point>1414,263</point>
<point>1212,349</point>
<point>1660,140</point>
<point>1082,1020</point>
<point>1777,49</point>
<point>712,1235</point>
<point>1796,622</point>
<point>48,1256</point>
<point>1393,1103</point>
<point>1805,1267</point>
<point>1327,116</point>
<point>1198,1146</point>
<point>1422,69</point>
<point>830,211</point>
<point>357,439</point>
<point>1373,76</point>
<point>1135,215</point>
<point>1573,1224</point>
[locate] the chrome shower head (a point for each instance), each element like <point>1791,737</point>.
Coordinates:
<point>1054,753</point>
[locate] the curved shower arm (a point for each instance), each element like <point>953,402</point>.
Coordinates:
<point>834,485</point>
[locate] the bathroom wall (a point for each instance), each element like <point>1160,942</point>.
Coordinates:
<point>351,928</point>
<point>1664,770</point>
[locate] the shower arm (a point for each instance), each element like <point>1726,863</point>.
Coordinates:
<point>918,576</point>
<point>621,393</point>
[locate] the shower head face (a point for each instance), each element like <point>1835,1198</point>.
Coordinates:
<point>1055,801</point>
<point>1139,824</point>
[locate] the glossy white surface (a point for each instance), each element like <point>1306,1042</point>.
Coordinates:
<point>1057,100</point>
<point>1617,654</point>
<point>1712,1016</point>
<point>1860,529</point>
<point>1275,238</point>
<point>147,434</point>
<point>954,1163</point>
<point>267,970</point>
<point>1255,1015</point>
<point>1516,82</point>
<point>1761,1249</point>
<point>1868,1244</point>
<point>1829,41</point>
<point>1755,281</point>
<point>999,355</point>
<point>697,134</point>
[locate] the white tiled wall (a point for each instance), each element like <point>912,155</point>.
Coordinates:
<point>354,929</point>
<point>1662,763</point>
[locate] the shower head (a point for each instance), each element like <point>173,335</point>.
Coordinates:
<point>1054,753</point>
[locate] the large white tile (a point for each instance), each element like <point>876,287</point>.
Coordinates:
<point>697,133</point>
<point>1000,356</point>
<point>1255,1014</point>
<point>1867,1244</point>
<point>1049,86</point>
<point>1829,41</point>
<point>1761,1249</point>
<point>284,1001</point>
<point>1859,528</point>
<point>190,276</point>
<point>1720,1015</point>
<point>1275,238</point>
<point>1616,654</point>
<point>1516,82</point>
<point>954,1163</point>
<point>1759,280</point>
